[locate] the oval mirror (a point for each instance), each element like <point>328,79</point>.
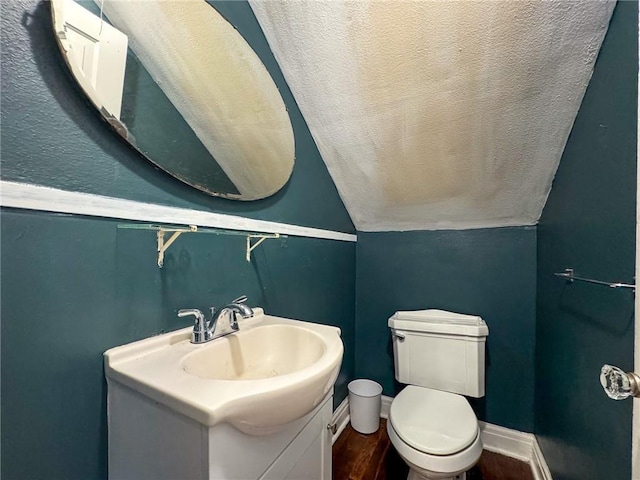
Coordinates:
<point>182,86</point>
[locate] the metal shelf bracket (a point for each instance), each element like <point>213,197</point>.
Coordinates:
<point>262,237</point>
<point>163,246</point>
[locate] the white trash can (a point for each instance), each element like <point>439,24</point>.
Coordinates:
<point>364,405</point>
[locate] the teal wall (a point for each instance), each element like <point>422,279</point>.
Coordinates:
<point>589,224</point>
<point>72,287</point>
<point>488,272</point>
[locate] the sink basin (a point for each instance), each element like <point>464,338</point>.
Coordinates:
<point>271,372</point>
<point>261,352</point>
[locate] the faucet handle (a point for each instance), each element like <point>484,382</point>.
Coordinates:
<point>199,333</point>
<point>241,299</point>
<point>185,312</point>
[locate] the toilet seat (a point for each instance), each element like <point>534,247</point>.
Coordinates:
<point>436,466</point>
<point>433,422</point>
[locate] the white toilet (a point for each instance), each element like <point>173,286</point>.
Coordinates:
<point>440,355</point>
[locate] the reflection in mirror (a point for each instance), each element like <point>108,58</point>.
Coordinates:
<point>183,87</point>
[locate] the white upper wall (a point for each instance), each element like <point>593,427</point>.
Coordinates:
<point>433,114</point>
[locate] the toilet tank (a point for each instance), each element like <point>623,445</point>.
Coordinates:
<point>440,350</point>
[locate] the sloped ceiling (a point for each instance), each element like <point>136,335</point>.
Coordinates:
<point>438,114</point>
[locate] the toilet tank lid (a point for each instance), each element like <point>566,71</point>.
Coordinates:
<point>439,321</point>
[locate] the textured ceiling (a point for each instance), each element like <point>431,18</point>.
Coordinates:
<point>433,114</point>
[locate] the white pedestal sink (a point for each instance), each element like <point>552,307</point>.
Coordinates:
<point>202,411</point>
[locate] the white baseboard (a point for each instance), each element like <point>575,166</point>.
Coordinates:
<point>386,405</point>
<point>539,464</point>
<point>505,441</point>
<point>515,444</point>
<point>340,418</point>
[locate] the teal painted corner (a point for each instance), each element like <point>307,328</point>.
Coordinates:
<point>488,272</point>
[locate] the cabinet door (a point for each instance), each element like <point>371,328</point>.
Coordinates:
<point>308,457</point>
<point>315,463</point>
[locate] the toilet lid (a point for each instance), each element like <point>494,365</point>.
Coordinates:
<point>434,422</point>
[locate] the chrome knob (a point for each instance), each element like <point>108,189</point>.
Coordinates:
<point>619,385</point>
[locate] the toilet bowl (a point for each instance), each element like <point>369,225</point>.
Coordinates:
<point>436,433</point>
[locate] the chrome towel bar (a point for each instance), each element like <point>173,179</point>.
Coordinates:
<point>571,277</point>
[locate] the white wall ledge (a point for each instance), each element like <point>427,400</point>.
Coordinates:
<point>47,199</point>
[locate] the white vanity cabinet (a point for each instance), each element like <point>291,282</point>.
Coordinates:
<point>253,405</point>
<point>147,440</point>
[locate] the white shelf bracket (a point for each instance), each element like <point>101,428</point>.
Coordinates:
<point>262,237</point>
<point>163,246</point>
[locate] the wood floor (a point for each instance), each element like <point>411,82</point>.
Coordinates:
<point>372,457</point>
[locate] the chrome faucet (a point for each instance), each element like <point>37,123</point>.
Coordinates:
<point>205,331</point>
